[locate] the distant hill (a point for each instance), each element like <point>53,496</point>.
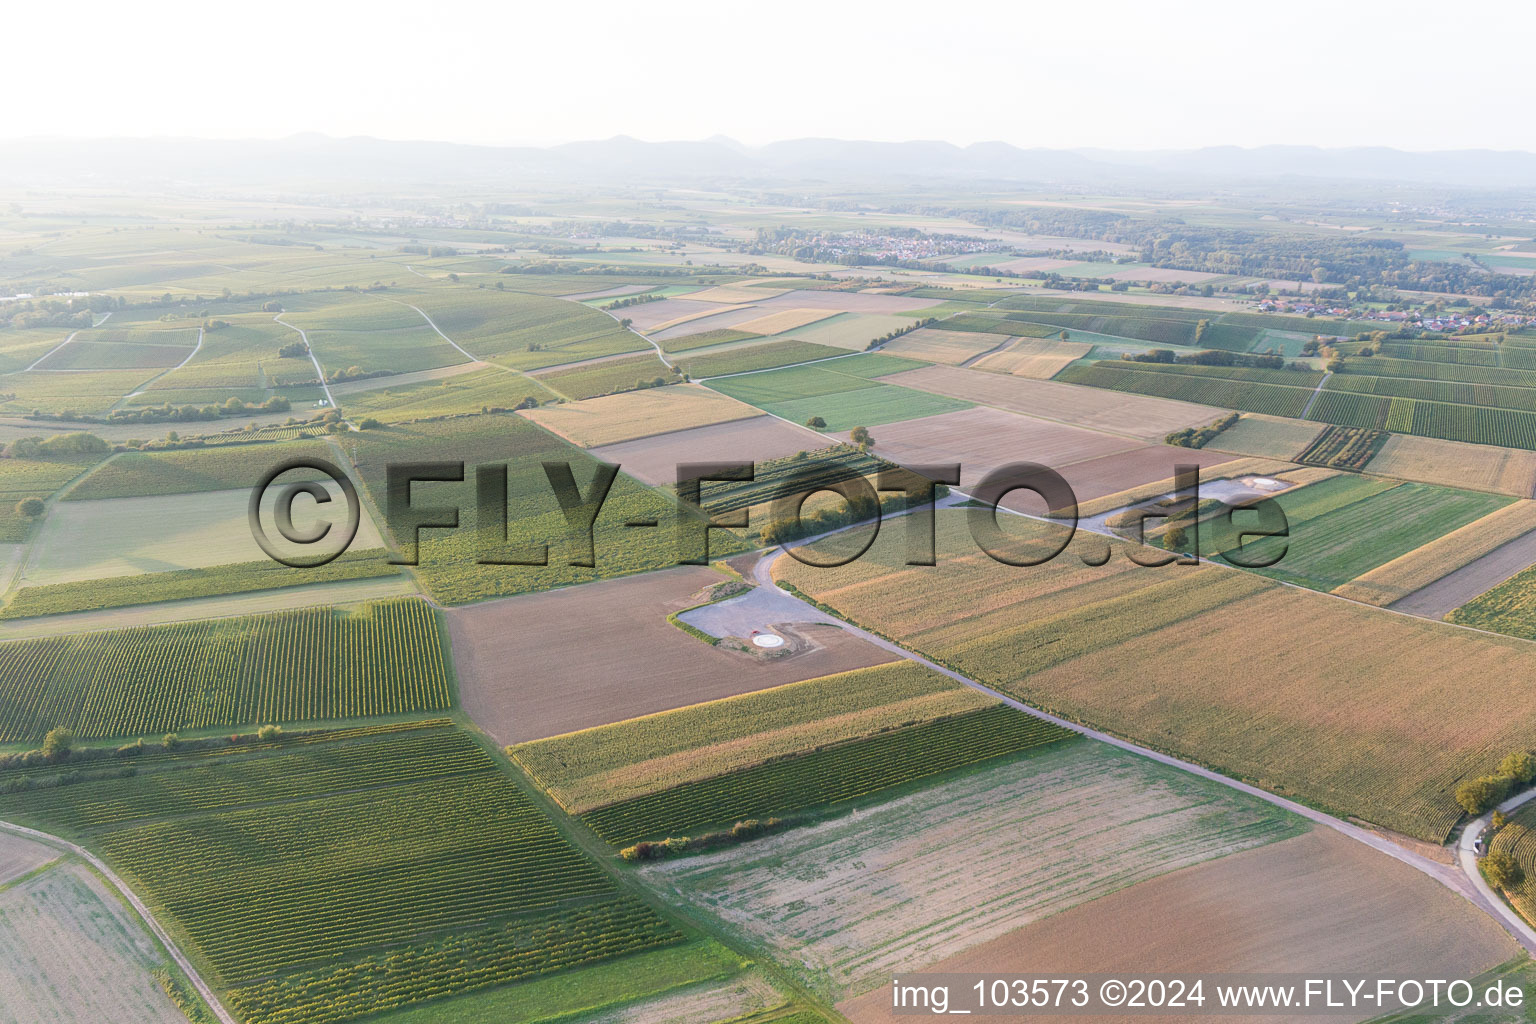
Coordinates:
<point>322,159</point>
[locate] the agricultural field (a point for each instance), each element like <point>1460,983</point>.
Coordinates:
<point>22,478</point>
<point>1150,419</point>
<point>183,584</point>
<point>759,439</point>
<point>1273,908</point>
<point>703,339</point>
<point>845,903</point>
<point>381,658</point>
<point>191,470</point>
<point>953,348</point>
<point>531,667</point>
<point>1034,358</point>
<point>1347,525</point>
<point>1270,437</point>
<point>606,376</point>
<point>1350,448</point>
<point>108,537</point>
<point>856,769</point>
<point>523,331</point>
<point>74,952</point>
<point>638,414</point>
<point>1394,580</point>
<point>610,764</point>
<point>1518,839</point>
<point>750,358</point>
<point>1227,392</point>
<point>458,395</point>
<point>844,394</point>
<point>445,862</point>
<point>1456,464</point>
<point>852,331</point>
<point>451,565</point>
<point>1472,424</point>
<point>1390,748</point>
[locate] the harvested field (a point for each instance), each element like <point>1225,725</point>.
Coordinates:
<point>853,330</point>
<point>783,320</point>
<point>1457,464</point>
<point>734,294</point>
<point>74,952</point>
<point>1171,657</point>
<point>845,302</point>
<point>1394,580</point>
<point>658,316</point>
<point>565,660</point>
<point>1151,419</point>
<point>18,856</point>
<point>724,318</point>
<point>589,769</point>
<point>982,439</point>
<point>759,438</point>
<point>1285,907</point>
<point>1035,358</point>
<point>633,414</point>
<point>1235,468</point>
<point>843,904</point>
<point>1271,437</point>
<point>949,347</point>
<point>606,293</point>
<point>1133,469</point>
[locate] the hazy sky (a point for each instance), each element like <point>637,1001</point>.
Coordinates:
<point>1063,73</point>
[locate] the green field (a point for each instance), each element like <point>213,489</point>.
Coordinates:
<point>191,470</point>
<point>834,774</point>
<point>843,393</point>
<point>605,765</point>
<point>1510,428</point>
<point>608,377</point>
<point>747,358</point>
<point>321,881</point>
<point>1223,392</point>
<point>524,331</point>
<point>1347,525</point>
<point>383,658</point>
<point>451,567</point>
<point>22,478</point>
<point>180,584</point>
<point>704,339</point>
<point>1508,608</point>
<point>458,395</point>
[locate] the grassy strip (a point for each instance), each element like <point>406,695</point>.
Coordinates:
<point>180,584</point>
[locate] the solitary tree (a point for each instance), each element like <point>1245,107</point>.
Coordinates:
<point>1175,538</point>
<point>1519,765</point>
<point>1477,795</point>
<point>1502,870</point>
<point>30,508</point>
<point>817,423</point>
<point>860,436</point>
<point>57,744</point>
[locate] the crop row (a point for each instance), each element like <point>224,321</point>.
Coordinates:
<point>1507,427</point>
<point>1247,396</point>
<point>179,584</point>
<point>327,880</point>
<point>317,663</point>
<point>1465,355</point>
<point>1343,447</point>
<point>1455,392</point>
<point>1384,366</point>
<point>462,962</point>
<point>830,775</point>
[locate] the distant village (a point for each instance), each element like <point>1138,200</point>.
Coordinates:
<point>1445,321</point>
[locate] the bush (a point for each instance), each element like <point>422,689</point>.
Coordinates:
<point>30,508</point>
<point>1519,765</point>
<point>369,423</point>
<point>57,744</point>
<point>1477,795</point>
<point>268,733</point>
<point>816,423</point>
<point>1502,870</point>
<point>171,741</point>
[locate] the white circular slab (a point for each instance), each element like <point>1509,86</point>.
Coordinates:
<point>768,640</point>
